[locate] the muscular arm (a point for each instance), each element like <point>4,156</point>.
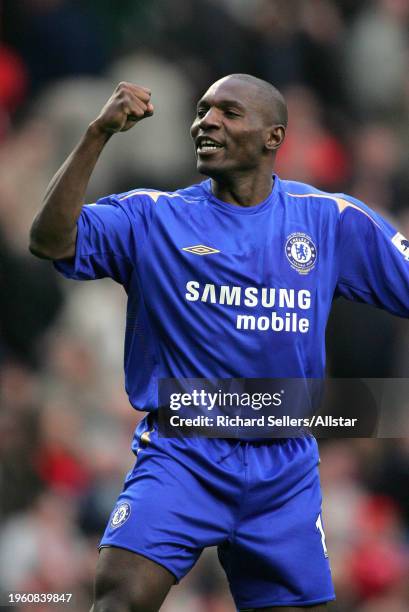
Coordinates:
<point>54,230</point>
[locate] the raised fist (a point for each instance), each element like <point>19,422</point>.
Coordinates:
<point>128,104</point>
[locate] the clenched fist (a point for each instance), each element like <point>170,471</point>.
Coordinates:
<point>128,104</point>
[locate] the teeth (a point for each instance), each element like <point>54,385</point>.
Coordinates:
<point>209,145</point>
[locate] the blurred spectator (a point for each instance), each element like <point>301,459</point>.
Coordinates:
<point>25,165</point>
<point>44,546</point>
<point>378,563</point>
<point>379,335</point>
<point>30,302</point>
<point>310,151</point>
<point>190,35</point>
<point>55,38</point>
<point>19,439</point>
<point>275,46</point>
<point>161,153</point>
<point>377,59</point>
<point>13,78</point>
<point>124,25</point>
<point>377,152</point>
<point>60,460</point>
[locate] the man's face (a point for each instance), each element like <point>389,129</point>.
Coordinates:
<point>229,130</point>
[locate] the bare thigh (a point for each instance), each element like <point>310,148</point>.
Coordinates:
<point>127,582</point>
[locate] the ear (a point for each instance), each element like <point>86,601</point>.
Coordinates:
<point>275,137</point>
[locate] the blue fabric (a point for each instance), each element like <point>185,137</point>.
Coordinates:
<point>221,291</point>
<point>258,502</point>
<point>179,321</point>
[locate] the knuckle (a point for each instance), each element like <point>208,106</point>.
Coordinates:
<point>143,94</point>
<point>122,85</point>
<point>125,101</point>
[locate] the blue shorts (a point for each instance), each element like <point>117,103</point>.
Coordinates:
<point>259,502</point>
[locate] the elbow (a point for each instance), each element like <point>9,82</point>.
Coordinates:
<point>36,248</point>
<point>42,249</point>
<point>38,251</point>
<point>46,245</point>
<point>35,245</point>
<point>51,251</point>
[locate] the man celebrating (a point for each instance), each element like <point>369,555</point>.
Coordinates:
<point>230,278</point>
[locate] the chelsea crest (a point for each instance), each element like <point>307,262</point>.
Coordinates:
<point>120,515</point>
<point>301,252</point>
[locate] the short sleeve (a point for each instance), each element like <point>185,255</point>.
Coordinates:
<point>373,261</point>
<point>105,244</point>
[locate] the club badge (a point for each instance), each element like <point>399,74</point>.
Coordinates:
<point>301,252</point>
<point>121,514</point>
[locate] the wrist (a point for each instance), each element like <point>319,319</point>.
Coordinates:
<point>96,132</point>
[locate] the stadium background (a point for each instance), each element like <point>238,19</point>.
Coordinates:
<point>65,423</point>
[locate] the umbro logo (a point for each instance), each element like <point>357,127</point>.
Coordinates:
<point>200,249</point>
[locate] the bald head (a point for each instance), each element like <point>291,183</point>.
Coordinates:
<point>272,102</point>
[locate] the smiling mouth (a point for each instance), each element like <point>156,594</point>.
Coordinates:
<point>207,146</point>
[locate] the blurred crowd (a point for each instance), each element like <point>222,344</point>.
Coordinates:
<point>65,422</point>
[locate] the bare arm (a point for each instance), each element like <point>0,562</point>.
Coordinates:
<point>54,230</point>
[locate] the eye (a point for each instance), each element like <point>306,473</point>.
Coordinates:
<point>231,113</point>
<point>201,112</point>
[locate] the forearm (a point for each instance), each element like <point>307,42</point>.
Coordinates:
<point>54,230</point>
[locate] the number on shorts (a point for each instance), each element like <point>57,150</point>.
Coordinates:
<point>319,526</point>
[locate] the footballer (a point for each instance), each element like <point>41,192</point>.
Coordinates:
<point>233,277</point>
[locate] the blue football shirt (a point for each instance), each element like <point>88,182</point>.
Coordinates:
<point>222,291</point>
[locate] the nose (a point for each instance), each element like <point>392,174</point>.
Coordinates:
<point>210,120</point>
